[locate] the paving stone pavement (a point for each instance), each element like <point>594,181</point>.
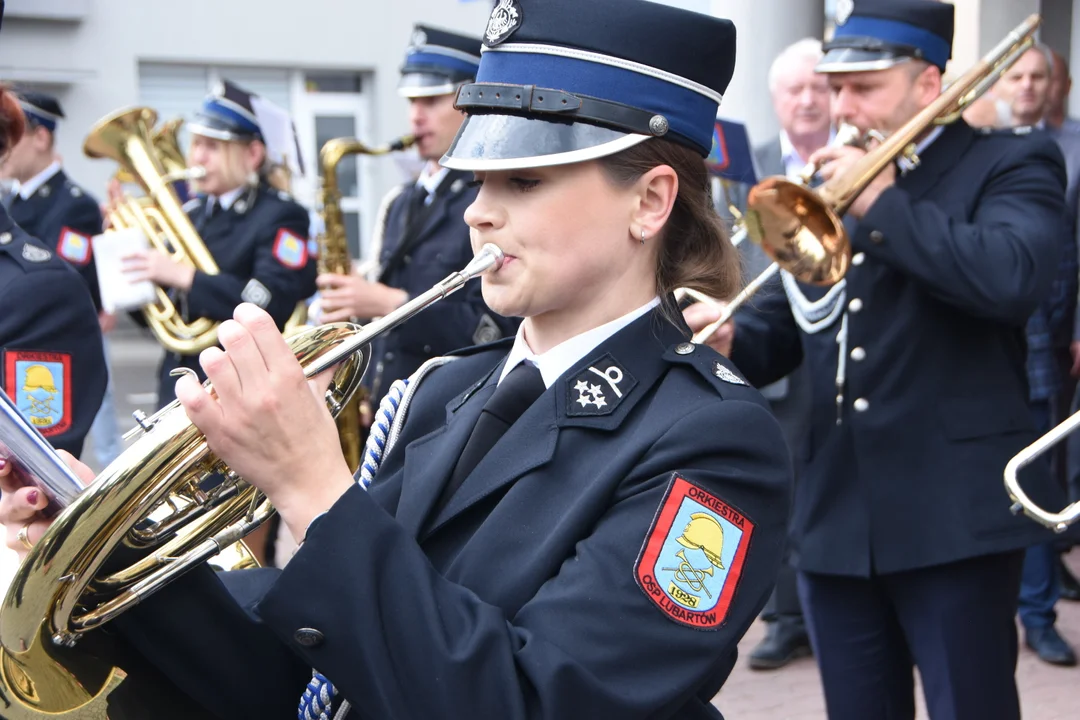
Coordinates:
<point>794,692</point>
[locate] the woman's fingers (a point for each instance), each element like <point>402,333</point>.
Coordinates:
<point>221,372</point>
<point>81,469</point>
<point>22,505</point>
<point>201,408</point>
<point>23,536</point>
<point>272,349</point>
<point>330,281</point>
<point>332,316</point>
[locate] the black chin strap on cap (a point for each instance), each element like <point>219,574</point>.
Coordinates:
<point>536,101</point>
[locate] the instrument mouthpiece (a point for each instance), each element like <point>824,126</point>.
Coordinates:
<point>498,256</point>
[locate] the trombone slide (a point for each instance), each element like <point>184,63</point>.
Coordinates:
<point>1058,521</point>
<point>748,292</point>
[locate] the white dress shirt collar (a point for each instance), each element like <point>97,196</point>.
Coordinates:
<point>431,181</point>
<point>793,162</point>
<point>566,354</point>
<point>31,186</point>
<point>226,200</point>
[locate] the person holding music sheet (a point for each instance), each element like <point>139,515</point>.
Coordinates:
<point>905,544</point>
<point>550,534</point>
<point>52,364</point>
<point>257,235</point>
<point>422,237</point>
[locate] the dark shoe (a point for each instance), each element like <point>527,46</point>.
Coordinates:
<point>1070,586</point>
<point>784,641</point>
<point>1050,646</point>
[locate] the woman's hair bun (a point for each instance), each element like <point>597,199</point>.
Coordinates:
<point>12,120</point>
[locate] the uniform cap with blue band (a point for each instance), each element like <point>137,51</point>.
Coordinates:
<point>437,62</point>
<point>40,109</point>
<point>233,114</point>
<point>227,114</point>
<point>564,81</point>
<point>877,34</point>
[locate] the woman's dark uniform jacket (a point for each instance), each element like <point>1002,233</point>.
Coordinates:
<point>52,364</point>
<point>423,245</point>
<point>64,217</point>
<point>264,256</point>
<point>524,596</point>
<point>948,266</point>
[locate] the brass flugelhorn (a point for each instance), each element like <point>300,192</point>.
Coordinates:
<point>801,229</point>
<point>147,518</point>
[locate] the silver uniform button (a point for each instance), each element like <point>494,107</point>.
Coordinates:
<point>5,238</point>
<point>309,637</point>
<point>877,236</point>
<point>858,354</point>
<point>855,305</point>
<point>861,405</point>
<point>858,258</point>
<point>684,348</point>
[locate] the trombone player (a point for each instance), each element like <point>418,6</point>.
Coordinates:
<point>258,235</point>
<point>906,550</point>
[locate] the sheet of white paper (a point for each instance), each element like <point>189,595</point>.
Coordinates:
<point>117,293</point>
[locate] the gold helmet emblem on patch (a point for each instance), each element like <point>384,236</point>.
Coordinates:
<point>39,377</point>
<point>704,533</point>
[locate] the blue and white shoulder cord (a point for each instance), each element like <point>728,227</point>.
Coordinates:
<point>813,316</point>
<point>317,701</point>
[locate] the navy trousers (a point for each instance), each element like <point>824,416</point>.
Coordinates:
<point>955,622</point>
<point>1040,585</point>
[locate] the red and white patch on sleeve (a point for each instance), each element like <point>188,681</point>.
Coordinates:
<point>290,249</point>
<point>40,385</point>
<point>74,247</point>
<point>692,559</point>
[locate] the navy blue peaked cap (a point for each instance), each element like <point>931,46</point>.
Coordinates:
<point>41,109</point>
<point>564,81</point>
<point>437,62</point>
<point>877,34</point>
<point>227,114</point>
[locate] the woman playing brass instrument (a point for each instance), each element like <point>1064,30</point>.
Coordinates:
<point>603,557</point>
<point>257,235</point>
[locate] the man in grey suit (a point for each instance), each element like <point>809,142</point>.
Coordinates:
<point>1025,86</point>
<point>1057,117</point>
<point>801,102</point>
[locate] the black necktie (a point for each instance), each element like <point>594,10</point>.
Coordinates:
<point>415,209</point>
<point>208,212</point>
<point>511,399</point>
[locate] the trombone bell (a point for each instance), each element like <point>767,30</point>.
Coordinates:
<point>799,232</point>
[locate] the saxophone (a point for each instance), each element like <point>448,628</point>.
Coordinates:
<point>334,258</point>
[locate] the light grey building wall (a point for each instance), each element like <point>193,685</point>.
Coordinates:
<point>101,55</point>
<point>334,64</point>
